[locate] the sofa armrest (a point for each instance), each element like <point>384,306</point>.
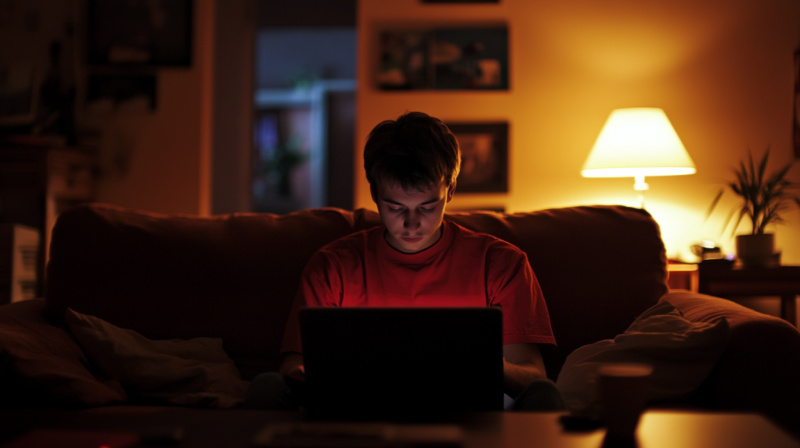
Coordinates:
<point>759,368</point>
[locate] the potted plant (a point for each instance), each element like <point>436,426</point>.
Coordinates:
<point>764,201</point>
<point>285,157</point>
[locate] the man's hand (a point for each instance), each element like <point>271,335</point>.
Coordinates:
<point>292,366</point>
<point>522,363</point>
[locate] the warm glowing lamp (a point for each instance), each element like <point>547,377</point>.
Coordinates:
<point>638,142</point>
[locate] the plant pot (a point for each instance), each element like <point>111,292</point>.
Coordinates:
<point>755,251</point>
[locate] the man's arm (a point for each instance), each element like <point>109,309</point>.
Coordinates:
<point>292,366</point>
<point>522,363</point>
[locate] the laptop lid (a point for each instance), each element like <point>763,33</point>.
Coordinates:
<point>402,362</point>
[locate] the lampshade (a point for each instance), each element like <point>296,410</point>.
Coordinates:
<point>638,142</point>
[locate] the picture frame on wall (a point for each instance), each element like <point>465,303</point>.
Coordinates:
<point>474,58</point>
<point>123,33</point>
<point>484,157</point>
<point>19,94</point>
<point>404,60</point>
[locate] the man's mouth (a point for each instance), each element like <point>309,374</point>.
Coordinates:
<point>411,239</point>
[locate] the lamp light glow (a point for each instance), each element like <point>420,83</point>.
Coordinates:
<point>638,142</point>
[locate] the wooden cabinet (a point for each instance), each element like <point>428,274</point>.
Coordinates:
<point>40,178</point>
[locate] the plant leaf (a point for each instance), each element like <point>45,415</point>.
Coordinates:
<point>715,201</point>
<point>762,166</point>
<point>736,189</point>
<point>765,197</point>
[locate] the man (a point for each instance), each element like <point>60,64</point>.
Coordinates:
<point>417,259</point>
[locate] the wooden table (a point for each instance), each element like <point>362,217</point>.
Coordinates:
<point>657,429</point>
<point>236,428</point>
<point>781,281</point>
<point>682,276</point>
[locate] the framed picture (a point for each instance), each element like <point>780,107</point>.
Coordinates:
<point>484,157</point>
<point>122,32</point>
<point>404,60</point>
<point>18,94</point>
<point>444,59</point>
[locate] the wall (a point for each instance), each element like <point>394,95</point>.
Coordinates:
<point>192,153</point>
<point>232,117</point>
<point>722,71</point>
<point>161,161</point>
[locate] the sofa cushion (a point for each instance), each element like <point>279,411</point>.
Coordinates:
<point>47,363</point>
<point>195,372</point>
<point>682,353</point>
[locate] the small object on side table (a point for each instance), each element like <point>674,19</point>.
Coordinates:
<point>717,263</point>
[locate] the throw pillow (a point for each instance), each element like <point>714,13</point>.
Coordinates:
<point>682,354</point>
<point>44,365</point>
<point>195,372</point>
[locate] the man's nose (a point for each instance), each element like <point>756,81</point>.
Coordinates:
<point>411,221</point>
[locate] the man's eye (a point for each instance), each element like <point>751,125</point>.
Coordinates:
<point>394,209</point>
<point>427,210</point>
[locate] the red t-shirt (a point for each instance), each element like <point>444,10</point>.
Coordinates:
<point>464,268</point>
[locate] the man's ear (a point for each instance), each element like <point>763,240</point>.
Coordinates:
<point>451,191</point>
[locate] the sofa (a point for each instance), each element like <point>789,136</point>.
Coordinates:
<point>232,278</point>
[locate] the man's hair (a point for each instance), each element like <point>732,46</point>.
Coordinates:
<point>416,151</point>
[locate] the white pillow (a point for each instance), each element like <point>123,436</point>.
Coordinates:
<point>682,354</point>
<point>195,372</point>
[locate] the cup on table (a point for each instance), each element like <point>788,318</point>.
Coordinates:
<point>624,391</point>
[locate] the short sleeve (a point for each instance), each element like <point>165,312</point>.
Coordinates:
<point>320,285</point>
<point>512,285</point>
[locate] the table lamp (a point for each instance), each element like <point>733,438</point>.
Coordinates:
<point>638,142</point>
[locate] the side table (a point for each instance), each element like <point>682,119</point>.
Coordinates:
<point>682,276</point>
<point>781,281</point>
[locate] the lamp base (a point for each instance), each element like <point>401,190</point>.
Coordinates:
<point>639,183</point>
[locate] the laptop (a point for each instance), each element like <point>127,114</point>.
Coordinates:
<point>370,363</point>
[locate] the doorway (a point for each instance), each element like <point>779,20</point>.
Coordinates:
<point>304,105</point>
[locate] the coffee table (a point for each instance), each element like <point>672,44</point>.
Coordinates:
<point>657,429</point>
<point>236,428</point>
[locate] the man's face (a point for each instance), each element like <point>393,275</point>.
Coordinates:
<point>412,219</point>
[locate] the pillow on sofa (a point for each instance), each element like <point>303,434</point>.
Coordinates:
<point>47,361</point>
<point>195,372</point>
<point>682,354</point>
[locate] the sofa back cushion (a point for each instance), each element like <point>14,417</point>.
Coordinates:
<point>234,276</point>
<point>181,276</point>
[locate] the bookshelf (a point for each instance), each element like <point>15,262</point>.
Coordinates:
<point>39,178</point>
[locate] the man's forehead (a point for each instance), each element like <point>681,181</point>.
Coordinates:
<point>395,193</point>
<point>394,185</point>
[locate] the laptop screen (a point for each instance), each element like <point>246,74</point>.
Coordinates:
<point>378,362</point>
